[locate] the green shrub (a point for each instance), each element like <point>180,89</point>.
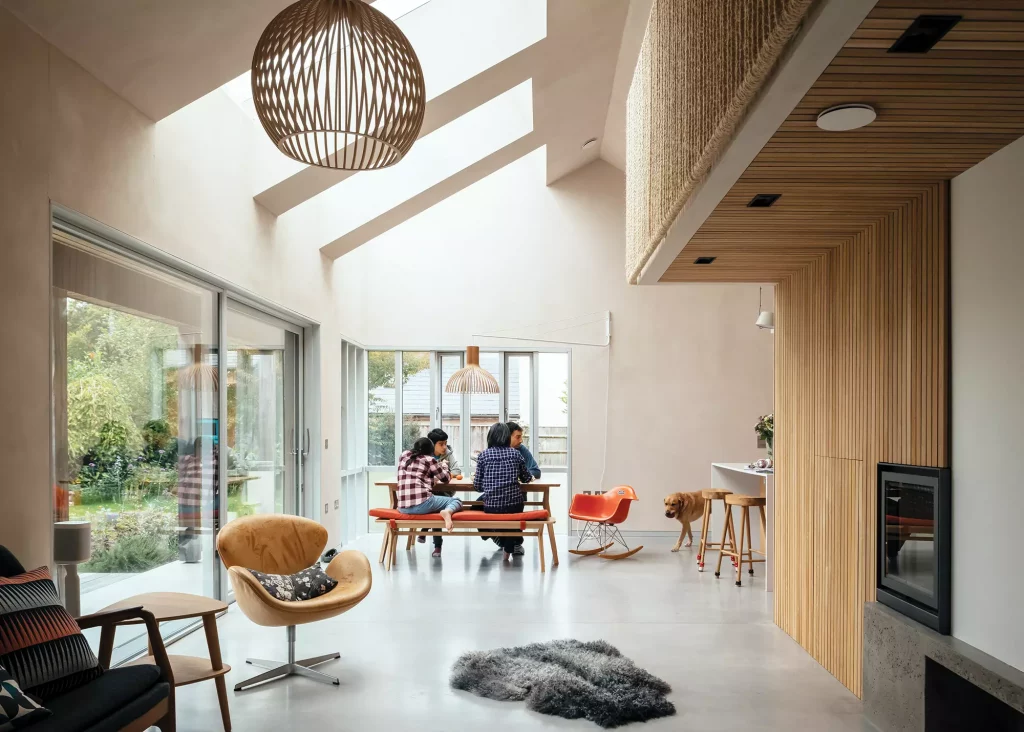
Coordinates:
<point>160,445</point>
<point>134,554</point>
<point>108,467</point>
<point>133,541</point>
<point>150,481</point>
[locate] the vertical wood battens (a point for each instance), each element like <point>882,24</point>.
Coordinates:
<point>861,377</point>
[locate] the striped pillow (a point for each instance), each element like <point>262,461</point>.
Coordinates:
<point>41,645</point>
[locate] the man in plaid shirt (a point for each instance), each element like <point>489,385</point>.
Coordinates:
<point>499,471</point>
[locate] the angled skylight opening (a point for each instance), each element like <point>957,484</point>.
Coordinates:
<point>436,157</point>
<point>454,39</point>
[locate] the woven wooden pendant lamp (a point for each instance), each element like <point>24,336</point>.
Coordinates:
<point>337,84</point>
<point>473,378</point>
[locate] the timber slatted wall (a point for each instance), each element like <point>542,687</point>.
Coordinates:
<point>861,377</point>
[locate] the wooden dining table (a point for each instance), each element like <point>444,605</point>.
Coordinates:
<point>542,501</point>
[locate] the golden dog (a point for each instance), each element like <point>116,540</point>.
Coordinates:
<point>684,508</point>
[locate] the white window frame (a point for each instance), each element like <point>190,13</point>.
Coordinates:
<point>354,518</point>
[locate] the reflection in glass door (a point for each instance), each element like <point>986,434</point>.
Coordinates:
<point>135,422</point>
<point>265,442</point>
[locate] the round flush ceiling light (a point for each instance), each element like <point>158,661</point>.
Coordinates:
<point>845,117</point>
<point>337,84</point>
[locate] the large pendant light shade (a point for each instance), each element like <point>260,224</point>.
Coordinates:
<point>473,379</point>
<point>337,84</point>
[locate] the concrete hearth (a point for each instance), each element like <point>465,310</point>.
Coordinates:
<point>895,648</point>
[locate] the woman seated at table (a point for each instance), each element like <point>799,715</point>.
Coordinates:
<point>499,471</point>
<point>418,472</point>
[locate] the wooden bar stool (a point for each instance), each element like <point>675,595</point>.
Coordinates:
<point>728,539</point>
<point>745,551</point>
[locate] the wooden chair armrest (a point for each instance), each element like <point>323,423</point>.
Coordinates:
<point>111,617</point>
<point>106,619</point>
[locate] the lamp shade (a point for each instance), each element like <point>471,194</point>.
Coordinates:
<point>473,379</point>
<point>337,84</point>
<point>72,542</point>
<point>766,319</point>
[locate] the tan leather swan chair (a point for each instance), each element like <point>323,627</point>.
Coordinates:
<point>278,544</point>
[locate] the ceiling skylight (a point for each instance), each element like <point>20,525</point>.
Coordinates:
<point>454,39</point>
<point>437,156</point>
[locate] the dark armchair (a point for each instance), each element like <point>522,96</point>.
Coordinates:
<point>125,699</point>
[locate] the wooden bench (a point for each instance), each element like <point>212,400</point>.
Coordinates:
<point>467,523</point>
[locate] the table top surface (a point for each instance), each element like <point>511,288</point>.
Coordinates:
<point>171,605</point>
<point>741,468</point>
<point>467,485</point>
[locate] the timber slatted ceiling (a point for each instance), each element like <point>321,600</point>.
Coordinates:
<point>861,376</point>
<point>939,113</point>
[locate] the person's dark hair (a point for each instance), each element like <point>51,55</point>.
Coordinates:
<point>437,434</point>
<point>499,435</point>
<point>423,446</point>
<point>513,427</point>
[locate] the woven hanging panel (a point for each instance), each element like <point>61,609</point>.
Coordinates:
<point>701,64</point>
<point>337,84</point>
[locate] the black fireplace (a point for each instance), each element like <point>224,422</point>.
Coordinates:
<point>913,553</point>
<point>952,704</point>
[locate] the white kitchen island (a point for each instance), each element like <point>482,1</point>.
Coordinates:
<point>738,478</point>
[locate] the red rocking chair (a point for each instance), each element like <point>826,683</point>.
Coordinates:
<point>602,515</point>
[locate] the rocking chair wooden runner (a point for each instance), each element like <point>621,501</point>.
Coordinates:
<point>601,515</point>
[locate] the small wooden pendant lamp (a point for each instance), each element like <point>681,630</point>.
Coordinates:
<point>473,378</point>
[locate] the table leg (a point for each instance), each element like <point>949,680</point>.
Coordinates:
<point>540,546</point>
<point>213,643</point>
<point>554,546</point>
<point>764,538</point>
<point>106,644</point>
<point>392,548</point>
<point>384,545</point>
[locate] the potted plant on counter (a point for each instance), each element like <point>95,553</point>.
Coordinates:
<point>765,429</point>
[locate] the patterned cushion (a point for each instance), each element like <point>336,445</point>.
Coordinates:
<point>16,709</point>
<point>40,644</point>
<point>304,585</point>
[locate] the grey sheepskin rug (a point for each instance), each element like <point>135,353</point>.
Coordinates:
<point>566,678</point>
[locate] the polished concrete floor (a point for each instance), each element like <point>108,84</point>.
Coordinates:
<point>729,666</point>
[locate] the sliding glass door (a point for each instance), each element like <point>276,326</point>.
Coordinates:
<point>135,425</point>
<point>175,410</point>
<point>265,445</point>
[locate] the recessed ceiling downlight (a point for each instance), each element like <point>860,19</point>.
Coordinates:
<point>589,144</point>
<point>845,117</point>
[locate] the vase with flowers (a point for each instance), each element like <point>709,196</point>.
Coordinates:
<point>765,429</point>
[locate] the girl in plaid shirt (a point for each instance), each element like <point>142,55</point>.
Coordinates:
<point>418,472</point>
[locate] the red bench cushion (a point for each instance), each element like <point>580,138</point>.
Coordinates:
<point>392,513</point>
<point>905,521</point>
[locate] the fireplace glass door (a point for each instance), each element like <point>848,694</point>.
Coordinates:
<point>910,558</point>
